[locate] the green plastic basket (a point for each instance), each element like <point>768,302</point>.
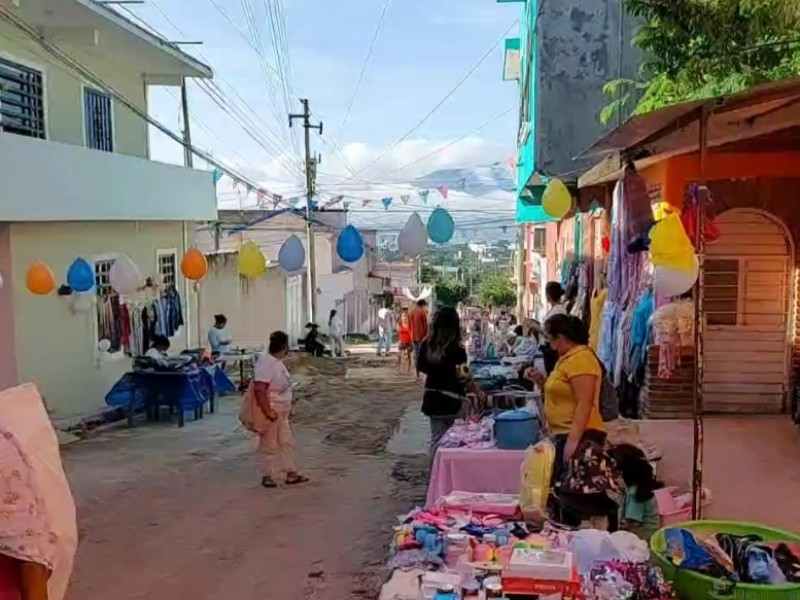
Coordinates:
<point>690,585</point>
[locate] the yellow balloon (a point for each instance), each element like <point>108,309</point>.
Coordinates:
<point>670,246</point>
<point>556,200</point>
<point>252,262</point>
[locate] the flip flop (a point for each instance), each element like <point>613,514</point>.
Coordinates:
<point>268,482</point>
<point>297,479</point>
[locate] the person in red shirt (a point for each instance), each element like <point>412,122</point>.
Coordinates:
<point>404,341</point>
<point>418,324</point>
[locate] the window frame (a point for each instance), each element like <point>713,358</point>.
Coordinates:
<point>41,68</point>
<point>740,275</point>
<point>167,252</point>
<point>84,116</point>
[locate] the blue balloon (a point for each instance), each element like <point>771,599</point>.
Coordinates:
<point>350,245</point>
<point>292,255</point>
<point>80,276</point>
<point>441,226</point>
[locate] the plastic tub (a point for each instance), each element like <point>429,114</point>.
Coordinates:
<point>516,430</point>
<point>690,585</point>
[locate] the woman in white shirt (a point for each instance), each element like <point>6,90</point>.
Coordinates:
<point>554,294</point>
<point>219,339</point>
<point>272,387</point>
<point>336,331</point>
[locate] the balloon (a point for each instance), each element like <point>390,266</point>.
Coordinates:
<point>124,276</point>
<point>674,282</point>
<point>413,239</point>
<point>40,279</point>
<point>82,302</point>
<point>194,265</point>
<point>670,246</point>
<point>292,255</point>
<point>252,262</point>
<point>350,245</point>
<point>80,276</point>
<point>440,226</point>
<point>104,345</point>
<point>556,200</point>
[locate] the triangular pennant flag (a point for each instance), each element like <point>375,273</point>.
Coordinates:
<point>249,188</point>
<point>336,200</point>
<point>512,162</point>
<point>260,195</point>
<point>365,202</point>
<point>443,191</point>
<point>347,204</point>
<point>216,175</point>
<point>424,196</point>
<point>405,198</point>
<point>462,183</point>
<point>504,228</point>
<point>387,202</point>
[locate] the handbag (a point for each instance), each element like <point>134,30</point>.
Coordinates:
<point>590,470</point>
<point>251,416</point>
<point>609,398</point>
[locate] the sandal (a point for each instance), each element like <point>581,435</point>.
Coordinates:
<point>268,482</point>
<point>296,478</point>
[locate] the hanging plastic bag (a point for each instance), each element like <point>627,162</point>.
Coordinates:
<point>536,472</point>
<point>670,246</point>
<point>689,220</point>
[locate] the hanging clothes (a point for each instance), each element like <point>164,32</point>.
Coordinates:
<point>640,213</point>
<point>597,304</point>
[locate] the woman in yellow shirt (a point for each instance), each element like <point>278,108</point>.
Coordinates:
<point>572,411</point>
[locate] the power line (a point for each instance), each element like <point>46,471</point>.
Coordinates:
<point>371,49</point>
<point>446,97</point>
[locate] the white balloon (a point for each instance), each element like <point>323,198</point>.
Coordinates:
<point>292,255</point>
<point>124,275</point>
<point>104,345</point>
<point>413,238</point>
<point>82,303</point>
<point>674,282</point>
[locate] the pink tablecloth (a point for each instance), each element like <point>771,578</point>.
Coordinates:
<point>468,470</point>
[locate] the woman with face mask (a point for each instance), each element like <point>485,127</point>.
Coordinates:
<point>572,410</point>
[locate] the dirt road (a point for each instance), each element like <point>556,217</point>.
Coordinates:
<point>170,513</point>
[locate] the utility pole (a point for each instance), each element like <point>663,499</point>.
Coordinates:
<point>188,160</point>
<point>311,171</point>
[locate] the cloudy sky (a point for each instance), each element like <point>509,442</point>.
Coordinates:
<point>401,121</point>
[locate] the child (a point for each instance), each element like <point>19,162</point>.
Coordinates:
<point>639,513</point>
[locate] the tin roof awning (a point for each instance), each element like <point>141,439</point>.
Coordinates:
<point>752,120</point>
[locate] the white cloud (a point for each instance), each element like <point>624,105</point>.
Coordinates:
<point>468,165</point>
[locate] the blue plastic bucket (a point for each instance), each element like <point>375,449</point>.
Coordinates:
<point>516,430</point>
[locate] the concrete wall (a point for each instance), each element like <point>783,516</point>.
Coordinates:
<point>254,307</point>
<point>55,347</point>
<point>579,48</point>
<point>64,93</point>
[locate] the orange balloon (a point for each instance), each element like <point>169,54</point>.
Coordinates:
<point>40,279</point>
<point>194,265</point>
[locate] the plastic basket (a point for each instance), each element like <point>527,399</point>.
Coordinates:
<point>690,585</point>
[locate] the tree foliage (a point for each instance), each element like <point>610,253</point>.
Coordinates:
<point>701,48</point>
<point>497,290</point>
<point>450,291</point>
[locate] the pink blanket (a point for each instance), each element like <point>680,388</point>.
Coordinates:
<point>471,470</point>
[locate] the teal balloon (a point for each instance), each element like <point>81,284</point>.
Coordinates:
<point>80,276</point>
<point>441,226</point>
<point>350,245</point>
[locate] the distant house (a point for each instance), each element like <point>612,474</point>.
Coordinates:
<point>76,181</point>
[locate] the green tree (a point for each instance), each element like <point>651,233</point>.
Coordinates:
<point>702,48</point>
<point>450,291</point>
<point>497,290</point>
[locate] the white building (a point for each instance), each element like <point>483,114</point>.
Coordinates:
<point>77,182</point>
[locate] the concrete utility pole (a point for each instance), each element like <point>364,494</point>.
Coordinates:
<point>188,161</point>
<point>311,171</point>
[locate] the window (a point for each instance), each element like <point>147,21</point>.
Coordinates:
<point>167,263</point>
<point>539,240</point>
<point>21,100</point>
<point>107,300</point>
<point>99,122</point>
<point>721,291</point>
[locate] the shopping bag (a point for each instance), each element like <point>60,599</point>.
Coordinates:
<point>251,416</point>
<point>535,473</point>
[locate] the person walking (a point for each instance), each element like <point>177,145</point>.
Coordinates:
<point>418,324</point>
<point>271,410</point>
<point>404,342</point>
<point>385,328</point>
<point>336,331</point>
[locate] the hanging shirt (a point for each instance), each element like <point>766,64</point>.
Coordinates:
<point>596,317</point>
<point>273,372</point>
